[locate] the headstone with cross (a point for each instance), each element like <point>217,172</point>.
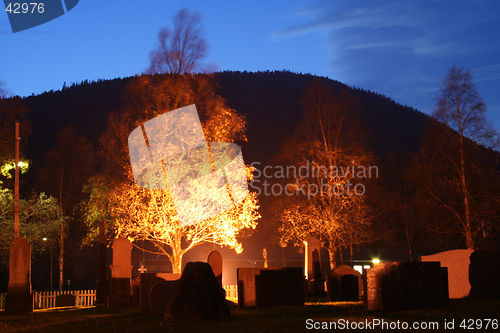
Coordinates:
<point>142,269</point>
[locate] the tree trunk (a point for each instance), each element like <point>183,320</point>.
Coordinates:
<point>61,242</point>
<point>350,251</point>
<point>61,259</point>
<point>408,240</point>
<point>177,253</point>
<point>284,255</point>
<point>176,263</point>
<point>469,239</point>
<point>331,252</point>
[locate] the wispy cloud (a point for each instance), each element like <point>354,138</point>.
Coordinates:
<point>486,73</point>
<point>403,48</point>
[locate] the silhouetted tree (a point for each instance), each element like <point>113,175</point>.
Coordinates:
<point>179,51</point>
<point>3,90</point>
<point>66,170</point>
<point>453,173</point>
<point>462,109</point>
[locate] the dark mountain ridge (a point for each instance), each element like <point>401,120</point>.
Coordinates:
<point>270,100</point>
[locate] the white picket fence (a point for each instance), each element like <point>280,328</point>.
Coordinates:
<point>87,297</point>
<point>231,290</point>
<point>47,299</point>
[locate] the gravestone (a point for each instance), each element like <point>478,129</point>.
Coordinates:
<point>344,284</point>
<point>65,300</point>
<point>160,296</point>
<point>198,296</point>
<point>215,261</point>
<point>349,287</point>
<point>457,262</point>
<point>313,266</point>
<point>19,297</point>
<point>484,275</point>
<point>136,290</point>
<point>405,286</point>
<point>266,287</point>
<point>147,281</point>
<point>489,244</point>
<point>158,265</point>
<point>121,273</point>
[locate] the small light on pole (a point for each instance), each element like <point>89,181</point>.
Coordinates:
<point>50,247</point>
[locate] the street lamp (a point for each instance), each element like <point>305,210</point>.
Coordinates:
<point>50,247</point>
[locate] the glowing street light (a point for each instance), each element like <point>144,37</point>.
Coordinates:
<point>376,261</point>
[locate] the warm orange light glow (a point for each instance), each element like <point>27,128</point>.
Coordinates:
<point>143,214</point>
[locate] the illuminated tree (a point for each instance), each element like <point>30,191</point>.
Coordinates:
<point>180,50</point>
<point>39,215</point>
<point>141,214</point>
<point>329,202</point>
<point>144,214</point>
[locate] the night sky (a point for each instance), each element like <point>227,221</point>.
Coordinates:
<point>399,49</point>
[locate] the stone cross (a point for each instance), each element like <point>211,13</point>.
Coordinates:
<point>142,269</point>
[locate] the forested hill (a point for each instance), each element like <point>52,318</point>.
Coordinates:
<point>270,100</point>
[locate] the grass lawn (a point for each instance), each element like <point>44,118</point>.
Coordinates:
<point>281,319</point>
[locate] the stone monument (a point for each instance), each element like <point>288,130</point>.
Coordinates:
<point>484,275</point>
<point>19,297</point>
<point>312,267</point>
<point>147,281</point>
<point>215,261</point>
<point>344,284</point>
<point>121,273</point>
<point>457,262</point>
<point>405,286</point>
<point>269,287</point>
<point>198,296</point>
<point>102,284</point>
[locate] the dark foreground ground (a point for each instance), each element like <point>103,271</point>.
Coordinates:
<point>465,315</point>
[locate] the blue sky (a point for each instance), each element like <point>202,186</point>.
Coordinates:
<point>401,49</point>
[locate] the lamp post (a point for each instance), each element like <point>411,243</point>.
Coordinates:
<point>16,186</point>
<point>50,247</point>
